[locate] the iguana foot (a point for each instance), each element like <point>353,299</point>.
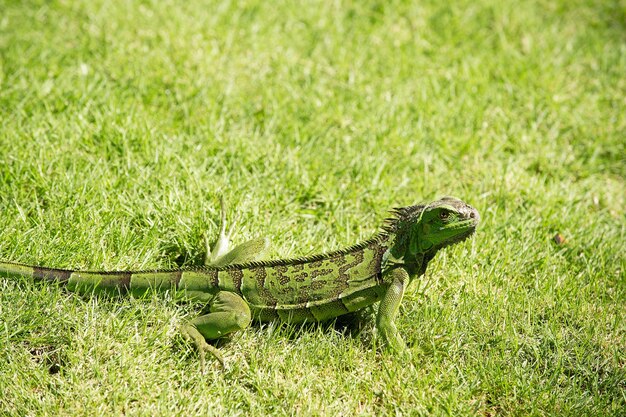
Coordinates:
<point>192,334</point>
<point>222,254</point>
<point>228,313</point>
<point>222,245</point>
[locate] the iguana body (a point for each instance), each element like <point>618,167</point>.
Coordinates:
<point>314,288</point>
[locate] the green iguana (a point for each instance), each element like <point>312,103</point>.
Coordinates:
<point>314,288</point>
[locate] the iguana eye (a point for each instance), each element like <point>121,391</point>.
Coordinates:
<point>444,215</point>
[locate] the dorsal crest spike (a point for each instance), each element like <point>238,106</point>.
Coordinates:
<point>380,237</point>
<point>402,215</point>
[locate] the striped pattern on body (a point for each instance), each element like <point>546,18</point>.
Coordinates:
<point>313,288</point>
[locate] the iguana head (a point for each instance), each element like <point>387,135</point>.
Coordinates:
<point>444,222</point>
<point>424,229</point>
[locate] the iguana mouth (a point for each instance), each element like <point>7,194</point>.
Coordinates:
<point>457,238</point>
<point>463,224</point>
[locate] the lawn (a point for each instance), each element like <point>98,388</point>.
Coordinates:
<point>123,122</point>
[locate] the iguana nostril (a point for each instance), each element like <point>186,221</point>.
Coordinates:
<point>472,214</point>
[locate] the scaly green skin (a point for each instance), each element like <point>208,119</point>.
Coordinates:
<point>314,288</point>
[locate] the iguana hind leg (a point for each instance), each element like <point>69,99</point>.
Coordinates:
<point>228,312</point>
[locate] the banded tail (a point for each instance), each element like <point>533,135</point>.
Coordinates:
<point>115,282</point>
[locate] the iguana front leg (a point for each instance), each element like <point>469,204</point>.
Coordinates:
<point>389,308</point>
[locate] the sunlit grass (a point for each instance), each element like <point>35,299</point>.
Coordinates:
<point>121,124</point>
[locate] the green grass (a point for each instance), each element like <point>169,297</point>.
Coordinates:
<point>122,122</point>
